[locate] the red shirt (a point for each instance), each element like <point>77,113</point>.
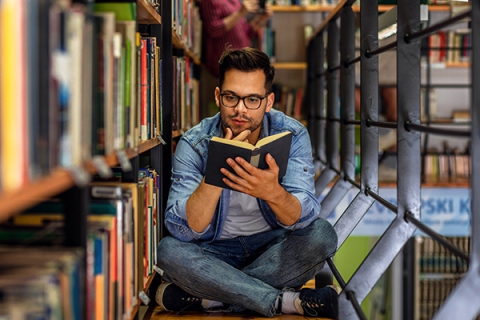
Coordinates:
<point>215,36</point>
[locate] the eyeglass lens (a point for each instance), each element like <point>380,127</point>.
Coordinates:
<point>251,102</point>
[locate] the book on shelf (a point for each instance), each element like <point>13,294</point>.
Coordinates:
<point>13,104</point>
<point>107,80</point>
<point>128,31</point>
<point>439,271</point>
<point>220,149</point>
<point>461,116</point>
<point>113,221</point>
<point>144,90</point>
<point>48,289</point>
<point>118,92</point>
<point>123,11</point>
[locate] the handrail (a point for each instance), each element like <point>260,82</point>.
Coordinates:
<point>332,16</point>
<point>407,219</point>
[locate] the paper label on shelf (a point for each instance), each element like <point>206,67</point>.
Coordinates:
<point>80,176</point>
<point>158,270</point>
<point>124,161</point>
<point>144,298</point>
<point>159,137</point>
<point>445,210</point>
<point>102,168</point>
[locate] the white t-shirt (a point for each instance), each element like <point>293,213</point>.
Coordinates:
<point>244,217</point>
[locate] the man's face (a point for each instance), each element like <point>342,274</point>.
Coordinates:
<point>243,84</point>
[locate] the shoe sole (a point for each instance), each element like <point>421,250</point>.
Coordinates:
<point>159,295</point>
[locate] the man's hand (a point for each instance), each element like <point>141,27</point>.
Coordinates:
<point>263,184</point>
<point>242,136</point>
<point>256,182</point>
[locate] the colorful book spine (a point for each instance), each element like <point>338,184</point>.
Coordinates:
<point>144,90</point>
<point>13,113</point>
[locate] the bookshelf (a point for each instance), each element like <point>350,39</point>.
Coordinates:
<point>356,8</point>
<point>437,273</point>
<point>71,184</point>
<point>290,64</point>
<point>146,13</point>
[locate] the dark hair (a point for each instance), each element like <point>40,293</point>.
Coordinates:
<point>246,60</point>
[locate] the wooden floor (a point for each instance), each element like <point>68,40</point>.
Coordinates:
<point>159,314</point>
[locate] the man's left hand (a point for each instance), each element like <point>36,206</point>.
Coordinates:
<point>258,183</point>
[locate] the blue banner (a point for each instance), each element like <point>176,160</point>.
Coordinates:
<point>445,210</point>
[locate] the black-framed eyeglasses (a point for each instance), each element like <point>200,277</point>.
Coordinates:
<point>230,100</point>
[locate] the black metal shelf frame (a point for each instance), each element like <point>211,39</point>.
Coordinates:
<point>324,125</point>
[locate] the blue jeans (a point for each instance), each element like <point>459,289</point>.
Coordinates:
<point>248,272</point>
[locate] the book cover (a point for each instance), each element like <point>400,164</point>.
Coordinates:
<point>220,149</point>
<point>123,11</point>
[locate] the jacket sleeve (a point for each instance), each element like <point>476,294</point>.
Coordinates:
<point>187,174</point>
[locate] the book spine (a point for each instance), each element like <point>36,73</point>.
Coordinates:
<point>255,157</point>
<point>144,90</point>
<point>12,95</point>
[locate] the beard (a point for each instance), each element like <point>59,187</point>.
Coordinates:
<point>250,124</point>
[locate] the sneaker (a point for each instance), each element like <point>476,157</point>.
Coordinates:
<point>172,298</point>
<point>321,302</point>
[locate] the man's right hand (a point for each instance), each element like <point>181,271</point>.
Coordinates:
<point>242,136</point>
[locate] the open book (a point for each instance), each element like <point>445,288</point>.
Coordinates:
<point>220,149</point>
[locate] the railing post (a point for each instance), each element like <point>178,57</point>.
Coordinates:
<point>319,103</point>
<point>347,107</point>
<point>462,303</point>
<point>333,59</point>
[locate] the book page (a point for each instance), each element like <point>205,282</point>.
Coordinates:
<point>271,138</point>
<point>240,144</point>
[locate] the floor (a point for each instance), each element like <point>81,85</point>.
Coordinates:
<point>159,314</point>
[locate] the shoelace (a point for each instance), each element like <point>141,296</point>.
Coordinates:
<point>312,304</point>
<point>189,300</point>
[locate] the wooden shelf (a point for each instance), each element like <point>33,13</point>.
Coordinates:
<point>147,145</point>
<point>13,202</point>
<point>146,14</point>
<point>457,65</point>
<point>290,65</point>
<point>178,43</point>
<point>326,8</point>
<point>133,315</point>
<point>447,121</point>
<point>176,134</point>
<point>310,8</point>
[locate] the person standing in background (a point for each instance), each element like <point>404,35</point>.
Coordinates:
<point>225,24</point>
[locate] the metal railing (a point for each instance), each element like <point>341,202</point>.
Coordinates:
<point>338,79</point>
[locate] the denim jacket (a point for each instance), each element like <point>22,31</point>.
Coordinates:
<point>189,169</point>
